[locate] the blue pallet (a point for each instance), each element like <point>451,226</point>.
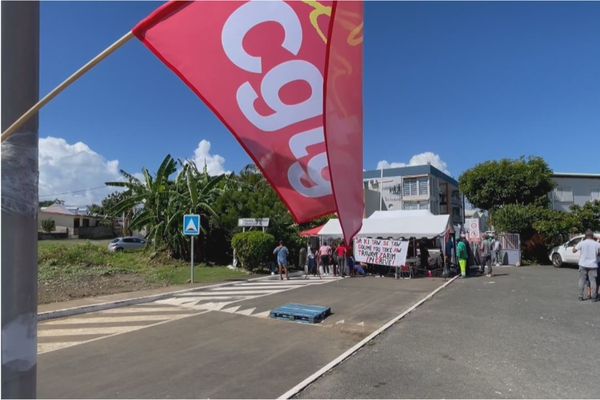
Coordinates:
<point>301,313</point>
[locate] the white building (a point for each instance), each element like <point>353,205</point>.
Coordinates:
<point>574,189</point>
<point>67,219</point>
<point>420,187</point>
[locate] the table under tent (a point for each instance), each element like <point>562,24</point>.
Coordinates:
<point>417,227</point>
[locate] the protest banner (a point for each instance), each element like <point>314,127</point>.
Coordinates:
<point>381,251</point>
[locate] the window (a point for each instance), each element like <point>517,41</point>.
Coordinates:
<point>410,187</point>
<point>563,195</point>
<point>595,194</point>
<point>423,186</point>
<point>574,242</point>
<point>411,206</point>
<point>415,186</point>
<point>423,205</point>
<point>456,212</point>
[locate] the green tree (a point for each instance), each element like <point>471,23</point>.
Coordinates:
<point>493,184</point>
<point>48,203</point>
<point>250,196</point>
<point>253,249</point>
<point>588,215</point>
<point>48,225</point>
<point>158,203</point>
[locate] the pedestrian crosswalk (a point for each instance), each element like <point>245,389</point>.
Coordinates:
<point>66,332</point>
<point>218,298</point>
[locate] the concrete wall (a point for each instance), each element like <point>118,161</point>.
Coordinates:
<point>574,190</point>
<point>61,221</point>
<point>96,232</point>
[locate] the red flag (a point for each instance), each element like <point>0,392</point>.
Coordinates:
<point>260,66</point>
<point>343,114</point>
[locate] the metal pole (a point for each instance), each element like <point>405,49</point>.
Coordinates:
<point>12,129</point>
<point>192,261</point>
<point>20,81</point>
<point>381,190</point>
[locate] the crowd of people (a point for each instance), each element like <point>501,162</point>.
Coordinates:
<point>337,259</point>
<point>483,255</point>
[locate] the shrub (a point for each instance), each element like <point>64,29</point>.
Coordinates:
<point>254,249</point>
<point>48,225</point>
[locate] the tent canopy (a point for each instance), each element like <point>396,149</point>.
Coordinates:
<point>429,226</point>
<point>406,225</point>
<point>311,232</point>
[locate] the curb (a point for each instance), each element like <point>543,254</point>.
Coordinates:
<point>66,312</point>
<point>302,385</point>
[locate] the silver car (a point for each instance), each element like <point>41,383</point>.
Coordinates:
<point>127,243</point>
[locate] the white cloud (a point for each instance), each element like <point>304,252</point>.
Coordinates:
<point>74,172</point>
<point>214,163</point>
<point>418,159</point>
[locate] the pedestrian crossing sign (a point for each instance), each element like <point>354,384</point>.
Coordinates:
<point>191,224</point>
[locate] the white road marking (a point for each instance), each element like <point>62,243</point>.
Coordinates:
<point>264,314</point>
<point>233,292</point>
<point>43,333</point>
<point>248,311</point>
<point>181,305</point>
<point>109,318</point>
<point>231,309</point>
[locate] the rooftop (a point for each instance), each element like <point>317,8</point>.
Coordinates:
<point>410,170</point>
<point>575,175</point>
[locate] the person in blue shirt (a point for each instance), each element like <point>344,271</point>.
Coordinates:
<point>282,252</point>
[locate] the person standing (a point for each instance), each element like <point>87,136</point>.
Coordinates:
<point>313,268</point>
<point>450,253</point>
<point>589,250</point>
<point>341,258</point>
<point>282,252</point>
<point>485,251</point>
<point>324,256</point>
<point>497,248</point>
<point>302,261</point>
<point>463,255</point>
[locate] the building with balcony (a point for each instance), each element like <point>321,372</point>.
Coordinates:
<point>420,187</point>
<point>574,189</point>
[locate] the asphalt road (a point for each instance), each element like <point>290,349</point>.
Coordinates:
<point>216,354</point>
<point>521,334</point>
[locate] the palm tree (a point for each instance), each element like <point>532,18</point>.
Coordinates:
<point>158,203</point>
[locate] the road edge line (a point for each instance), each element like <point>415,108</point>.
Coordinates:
<point>67,312</point>
<point>302,385</point>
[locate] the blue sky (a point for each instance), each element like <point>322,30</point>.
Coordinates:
<point>467,82</point>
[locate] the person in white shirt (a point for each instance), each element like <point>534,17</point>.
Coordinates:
<point>588,264</point>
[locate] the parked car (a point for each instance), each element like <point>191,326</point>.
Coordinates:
<point>563,254</point>
<point>127,243</point>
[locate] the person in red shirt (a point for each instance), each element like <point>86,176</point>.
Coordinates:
<point>341,258</point>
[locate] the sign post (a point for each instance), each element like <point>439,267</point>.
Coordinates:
<point>191,227</point>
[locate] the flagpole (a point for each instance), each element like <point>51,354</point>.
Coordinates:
<point>381,189</point>
<point>11,130</point>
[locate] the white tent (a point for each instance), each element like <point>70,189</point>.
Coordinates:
<point>417,226</point>
<point>406,225</point>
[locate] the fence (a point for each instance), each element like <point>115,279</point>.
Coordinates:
<point>511,248</point>
<point>96,232</point>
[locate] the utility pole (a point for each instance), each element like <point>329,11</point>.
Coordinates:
<point>20,87</point>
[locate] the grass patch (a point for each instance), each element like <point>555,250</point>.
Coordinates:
<point>72,270</point>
